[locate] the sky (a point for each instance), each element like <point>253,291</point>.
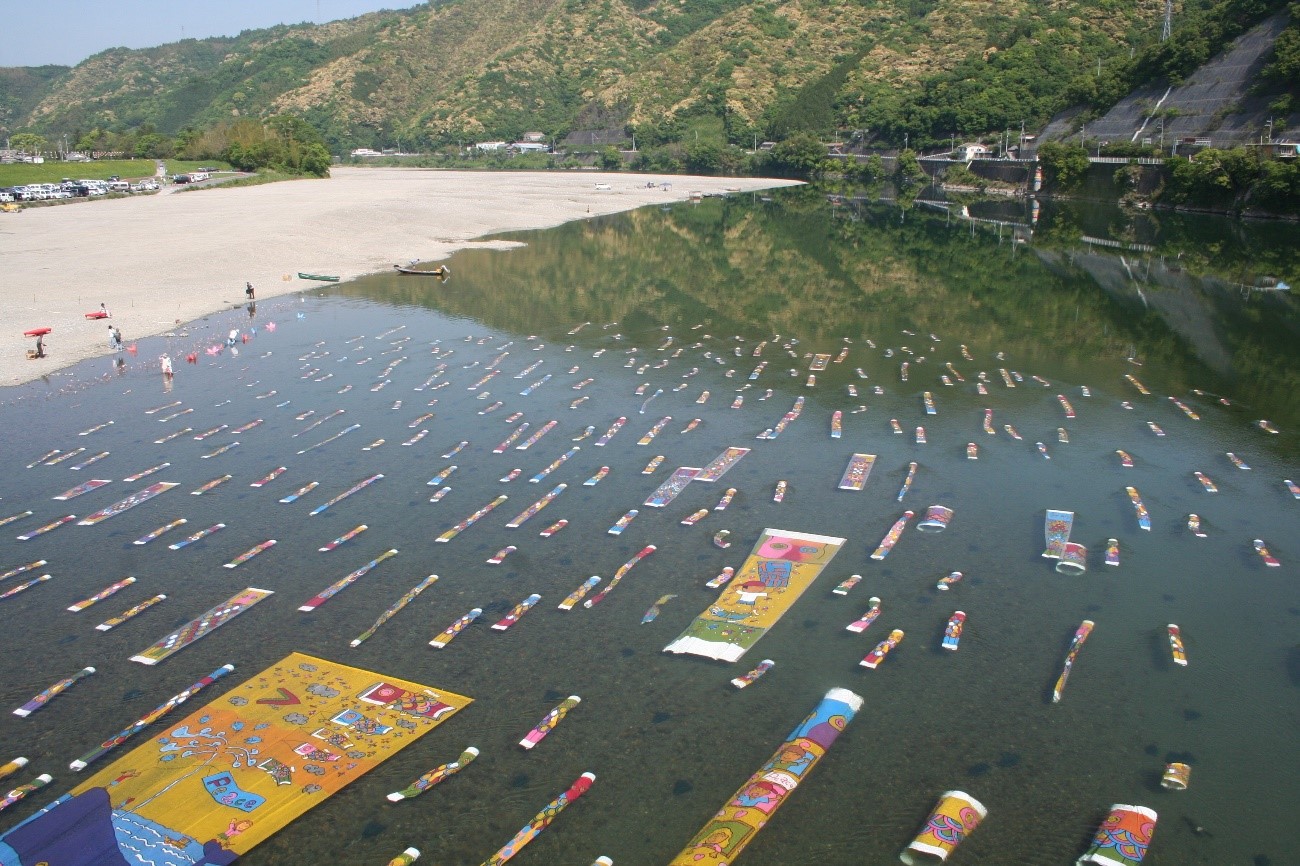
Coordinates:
<point>66,32</point>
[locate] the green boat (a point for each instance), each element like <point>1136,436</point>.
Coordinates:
<point>321,277</point>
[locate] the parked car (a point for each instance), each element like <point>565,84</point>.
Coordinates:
<point>6,196</point>
<point>181,178</point>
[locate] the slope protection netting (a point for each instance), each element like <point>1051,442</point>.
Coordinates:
<point>1212,103</point>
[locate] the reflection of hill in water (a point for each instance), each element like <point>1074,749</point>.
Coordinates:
<point>798,267</point>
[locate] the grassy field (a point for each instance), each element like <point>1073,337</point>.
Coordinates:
<point>184,166</point>
<point>21,173</point>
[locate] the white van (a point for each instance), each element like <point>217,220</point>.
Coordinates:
<point>119,186</point>
<point>197,176</point>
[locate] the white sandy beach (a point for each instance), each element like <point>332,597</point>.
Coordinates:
<point>174,257</point>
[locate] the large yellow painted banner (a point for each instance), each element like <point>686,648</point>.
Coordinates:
<point>780,567</point>
<point>228,776</point>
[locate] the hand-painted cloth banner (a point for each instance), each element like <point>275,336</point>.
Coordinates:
<point>231,774</point>
<point>778,570</point>
<point>734,826</point>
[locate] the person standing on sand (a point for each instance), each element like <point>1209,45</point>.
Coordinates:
<point>113,342</point>
<point>248,290</point>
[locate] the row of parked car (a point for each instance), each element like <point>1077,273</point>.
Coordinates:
<point>73,189</point>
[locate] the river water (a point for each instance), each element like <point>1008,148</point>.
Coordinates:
<point>1069,305</point>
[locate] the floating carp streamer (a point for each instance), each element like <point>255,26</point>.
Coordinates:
<point>891,538</point>
<point>847,584</point>
<point>129,613</point>
<point>148,719</point>
<point>862,623</point>
<point>449,634</point>
<point>23,790</point>
<point>955,816</point>
<point>43,698</point>
<point>345,431</point>
<point>619,575</point>
<point>653,612</point>
<point>1076,644</point>
<point>392,611</point>
<point>1123,838</point>
<point>721,840</point>
<point>744,680</point>
<point>346,493</point>
<point>111,589</point>
<point>877,655</point>
<point>516,613</point>
<point>343,583</point>
<point>549,722</point>
<point>471,520</point>
<point>429,780</point>
<point>541,820</point>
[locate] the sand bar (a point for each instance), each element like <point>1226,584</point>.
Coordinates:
<point>156,261</point>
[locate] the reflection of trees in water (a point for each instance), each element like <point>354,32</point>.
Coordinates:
<point>795,266</point>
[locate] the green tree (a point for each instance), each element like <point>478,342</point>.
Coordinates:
<point>909,167</point>
<point>1064,165</point>
<point>801,154</point>
<point>704,157</point>
<point>610,158</point>
<point>28,142</point>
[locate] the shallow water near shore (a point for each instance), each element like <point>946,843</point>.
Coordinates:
<point>668,737</point>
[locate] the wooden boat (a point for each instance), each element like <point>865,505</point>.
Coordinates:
<point>441,272</point>
<point>321,277</point>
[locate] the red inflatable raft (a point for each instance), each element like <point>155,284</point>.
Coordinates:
<point>37,332</point>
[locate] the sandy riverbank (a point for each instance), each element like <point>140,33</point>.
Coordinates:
<point>157,260</point>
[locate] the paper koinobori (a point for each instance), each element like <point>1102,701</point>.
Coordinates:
<point>778,570</point>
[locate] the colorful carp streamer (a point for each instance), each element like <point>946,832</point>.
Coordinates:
<point>250,553</point>
<point>471,520</point>
<point>433,777</point>
<point>572,599</point>
<point>130,612</point>
<point>1123,838</point>
<point>148,719</point>
<point>23,790</point>
<point>306,488</point>
<point>619,575</point>
<point>202,533</point>
<point>653,613</point>
<point>527,514</point>
<point>343,583</point>
<point>873,659</point>
<point>541,820</point>
<point>392,611</point>
<point>346,493</point>
<point>891,537</point>
<point>52,692</point>
<point>516,612</point>
<point>12,591</point>
<point>345,537</point>
<point>549,722</point>
<point>449,634</point>
<point>12,767</point>
<point>104,593</point>
<point>1076,644</point>
<point>863,622</point>
<point>166,527</point>
<point>735,825</point>
<point>951,821</point>
<point>744,680</point>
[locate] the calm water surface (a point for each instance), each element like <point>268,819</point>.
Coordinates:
<point>667,736</point>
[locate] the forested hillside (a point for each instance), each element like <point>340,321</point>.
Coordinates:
<point>724,71</point>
